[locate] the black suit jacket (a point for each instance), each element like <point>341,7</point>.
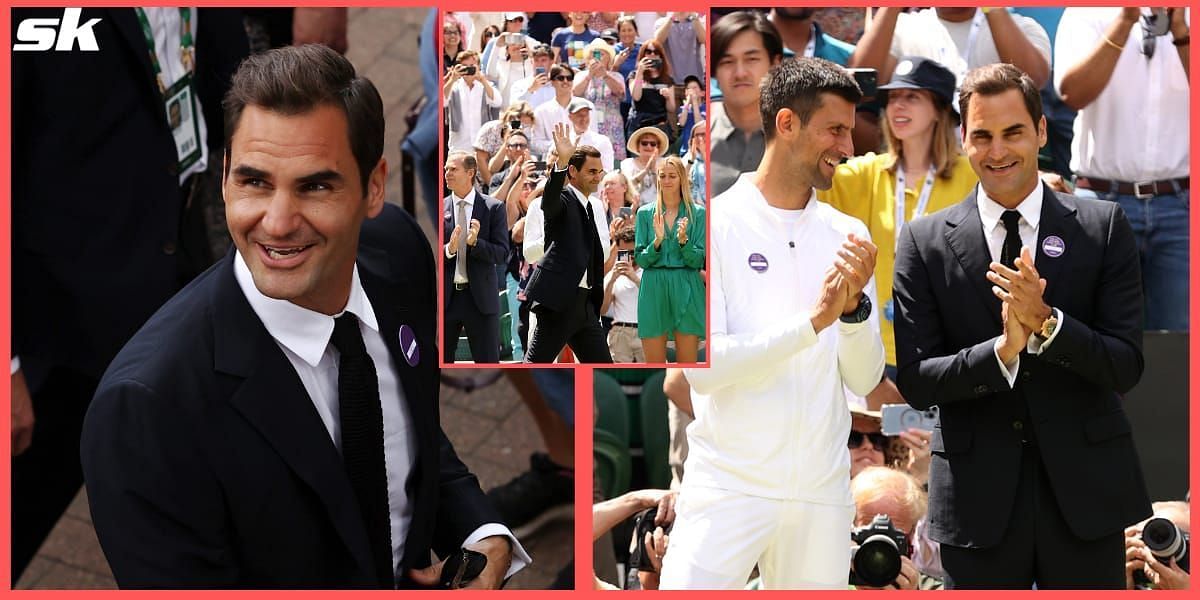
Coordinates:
<point>208,466</point>
<point>571,246</point>
<point>96,201</point>
<point>947,321</point>
<point>490,250</point>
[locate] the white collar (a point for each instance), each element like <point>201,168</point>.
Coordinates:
<point>469,198</point>
<point>990,210</point>
<point>305,332</point>
<point>751,192</point>
<point>578,194</point>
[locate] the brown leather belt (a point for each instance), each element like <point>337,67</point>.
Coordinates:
<point>1141,189</point>
<point>624,324</point>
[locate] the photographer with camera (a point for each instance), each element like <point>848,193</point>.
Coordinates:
<point>510,57</point>
<point>657,508</point>
<point>1126,71</point>
<point>1157,550</point>
<point>652,92</point>
<point>468,99</point>
<point>888,505</point>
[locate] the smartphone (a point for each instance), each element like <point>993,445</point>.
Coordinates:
<point>462,567</point>
<point>902,417</point>
<point>516,38</point>
<point>539,166</point>
<point>625,255</point>
<point>868,81</point>
<point>468,69</point>
<point>539,70</point>
<point>625,212</point>
<point>656,63</point>
<point>597,55</point>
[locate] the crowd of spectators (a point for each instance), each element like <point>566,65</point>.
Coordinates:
<point>631,85</point>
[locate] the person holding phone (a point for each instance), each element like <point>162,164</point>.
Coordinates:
<point>617,195</point>
<point>652,91</point>
<point>621,292</point>
<point>924,171</point>
<point>670,247</point>
<point>468,98</point>
<point>605,89</point>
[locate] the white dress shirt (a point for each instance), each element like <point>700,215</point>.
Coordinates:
<point>303,336</point>
<point>454,200</point>
<point>534,245</point>
<point>771,416</point>
<point>545,117</point>
<point>994,230</point>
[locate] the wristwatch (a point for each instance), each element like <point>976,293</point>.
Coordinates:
<point>861,313</point>
<point>1048,326</point>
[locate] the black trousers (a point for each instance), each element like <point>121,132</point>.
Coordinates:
<point>1038,548</point>
<point>47,476</point>
<point>578,327</point>
<point>483,331</point>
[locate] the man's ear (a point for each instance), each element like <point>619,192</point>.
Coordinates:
<point>1041,132</point>
<point>375,188</point>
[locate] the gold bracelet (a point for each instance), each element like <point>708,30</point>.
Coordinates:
<point>1113,44</point>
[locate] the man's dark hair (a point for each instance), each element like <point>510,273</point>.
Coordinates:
<point>581,154</point>
<point>997,78</point>
<point>294,80</point>
<point>517,132</point>
<point>559,69</point>
<point>733,24</point>
<point>798,84</point>
<point>627,234</point>
<point>691,78</point>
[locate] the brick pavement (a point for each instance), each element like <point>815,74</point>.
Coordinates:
<point>492,432</point>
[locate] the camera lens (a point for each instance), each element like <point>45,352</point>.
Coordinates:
<point>1164,539</point>
<point>877,561</point>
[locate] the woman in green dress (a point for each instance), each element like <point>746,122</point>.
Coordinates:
<point>669,247</point>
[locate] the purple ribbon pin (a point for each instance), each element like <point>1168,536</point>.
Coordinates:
<point>758,262</point>
<point>408,345</point>
<point>1053,246</point>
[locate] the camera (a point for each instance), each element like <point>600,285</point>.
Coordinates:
<point>901,417</point>
<point>1166,542</point>
<point>514,124</point>
<point>1157,23</point>
<point>656,63</point>
<point>643,524</point>
<point>625,256</point>
<point>867,80</point>
<point>539,167</point>
<point>875,560</point>
<point>468,69</point>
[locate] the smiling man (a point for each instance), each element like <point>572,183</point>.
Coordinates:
<point>1018,313</point>
<point>767,456</point>
<point>274,425</point>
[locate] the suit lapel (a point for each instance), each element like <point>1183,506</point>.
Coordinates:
<point>448,220</point>
<point>272,398</point>
<point>965,238</point>
<point>1057,220</point>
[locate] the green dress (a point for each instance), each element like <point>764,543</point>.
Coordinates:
<point>671,297</point>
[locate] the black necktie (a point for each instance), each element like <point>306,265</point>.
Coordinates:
<point>1012,239</point>
<point>362,440</point>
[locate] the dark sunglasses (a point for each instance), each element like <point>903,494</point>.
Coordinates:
<point>562,78</point>
<point>648,143</point>
<point>878,440</point>
<point>649,51</point>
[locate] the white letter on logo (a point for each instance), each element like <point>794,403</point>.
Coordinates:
<point>71,31</point>
<point>38,34</point>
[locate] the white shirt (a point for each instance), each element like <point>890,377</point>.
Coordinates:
<point>771,418</point>
<point>591,138</point>
<point>462,135</point>
<point>165,24</point>
<point>924,34</point>
<point>545,117</point>
<point>520,91</point>
<point>646,187</point>
<point>467,210</point>
<point>623,308</point>
<point>303,336</point>
<point>534,245</point>
<point>1137,128</point>
<point>995,231</point>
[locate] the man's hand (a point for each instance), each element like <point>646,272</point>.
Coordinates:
<point>1022,290</point>
<point>832,301</point>
<point>856,267</point>
<point>1163,576</point>
<point>320,26</point>
<point>498,550</point>
<point>22,414</point>
<point>538,82</point>
<point>1133,554</point>
<point>562,143</point>
<point>473,233</point>
<point>455,236</point>
<point>656,547</point>
<point>917,441</point>
<point>681,231</point>
<point>1015,336</point>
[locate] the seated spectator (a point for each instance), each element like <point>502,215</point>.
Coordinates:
<point>670,247</point>
<point>899,496</point>
<point>646,146</point>
<point>1158,575</point>
<point>605,89</point>
<point>580,114</point>
<point>616,193</point>
<point>869,447</point>
<point>468,98</point>
<point>652,91</point>
<point>550,113</point>
<point>694,159</point>
<point>490,136</point>
<point>535,88</point>
<point>683,36</point>
<point>568,43</point>
<point>621,286</point>
<point>693,110</point>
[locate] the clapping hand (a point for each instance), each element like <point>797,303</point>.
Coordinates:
<point>659,228</point>
<point>473,233</point>
<point>455,237</point>
<point>856,267</point>
<point>681,231</point>
<point>1022,290</point>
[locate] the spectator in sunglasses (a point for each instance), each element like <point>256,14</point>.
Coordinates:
<point>652,91</point>
<point>550,113</point>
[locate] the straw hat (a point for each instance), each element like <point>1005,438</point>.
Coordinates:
<point>663,142</point>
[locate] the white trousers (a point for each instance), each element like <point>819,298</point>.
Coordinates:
<point>720,535</point>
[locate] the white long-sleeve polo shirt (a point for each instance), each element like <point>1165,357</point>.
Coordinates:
<point>771,415</point>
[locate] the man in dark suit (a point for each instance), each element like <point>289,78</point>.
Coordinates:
<point>567,286</point>
<point>1034,473</point>
<point>105,226</point>
<point>275,424</point>
<point>476,230</point>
